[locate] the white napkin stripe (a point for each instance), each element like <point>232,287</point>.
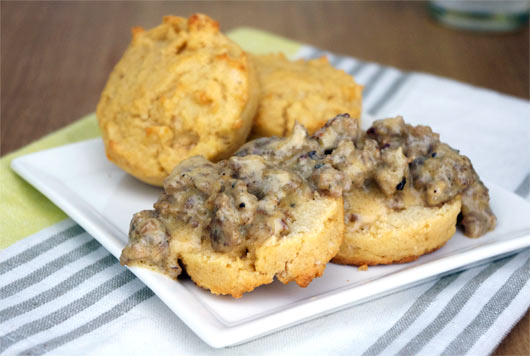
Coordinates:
<point>56,326</point>
<point>66,312</point>
<point>101,320</point>
<point>46,257</point>
<point>392,89</point>
<point>334,60</point>
<point>372,81</point>
<point>51,281</point>
<point>48,269</point>
<point>35,239</point>
<point>416,312</point>
<point>509,317</point>
<point>314,53</point>
<point>411,315</point>
<point>471,308</point>
<point>58,290</point>
<point>490,312</point>
<point>451,309</point>
<point>349,65</point>
<point>356,68</point>
<point>35,251</point>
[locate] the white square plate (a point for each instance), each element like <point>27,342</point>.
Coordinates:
<point>102,199</point>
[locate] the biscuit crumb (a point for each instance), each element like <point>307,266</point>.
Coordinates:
<point>363,267</point>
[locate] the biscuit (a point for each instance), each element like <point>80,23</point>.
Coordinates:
<point>376,233</point>
<point>236,225</point>
<point>181,89</point>
<point>300,256</point>
<point>309,92</point>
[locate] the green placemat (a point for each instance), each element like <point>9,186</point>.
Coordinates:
<point>25,211</point>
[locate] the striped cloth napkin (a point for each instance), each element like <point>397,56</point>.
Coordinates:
<point>62,293</point>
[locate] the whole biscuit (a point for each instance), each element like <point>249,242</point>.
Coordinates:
<point>309,92</point>
<point>181,89</point>
<point>375,233</point>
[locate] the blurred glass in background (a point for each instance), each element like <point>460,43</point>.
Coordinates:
<point>492,16</point>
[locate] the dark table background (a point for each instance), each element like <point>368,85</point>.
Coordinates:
<point>56,56</point>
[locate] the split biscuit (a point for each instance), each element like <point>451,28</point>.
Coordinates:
<point>236,225</point>
<point>376,233</point>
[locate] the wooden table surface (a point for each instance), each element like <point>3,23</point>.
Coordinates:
<point>56,56</point>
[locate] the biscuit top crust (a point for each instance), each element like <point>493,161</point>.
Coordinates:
<point>181,89</point>
<point>308,91</point>
<point>340,157</point>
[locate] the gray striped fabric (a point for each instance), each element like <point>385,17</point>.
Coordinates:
<point>412,314</point>
<point>90,279</point>
<point>60,287</point>
<point>35,251</point>
<point>105,318</point>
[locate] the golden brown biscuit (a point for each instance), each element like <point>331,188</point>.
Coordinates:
<point>309,92</point>
<point>378,233</point>
<point>300,256</point>
<point>236,225</point>
<point>181,89</point>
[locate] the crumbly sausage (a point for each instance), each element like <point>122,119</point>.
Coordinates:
<point>234,202</point>
<point>339,157</point>
<point>477,217</point>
